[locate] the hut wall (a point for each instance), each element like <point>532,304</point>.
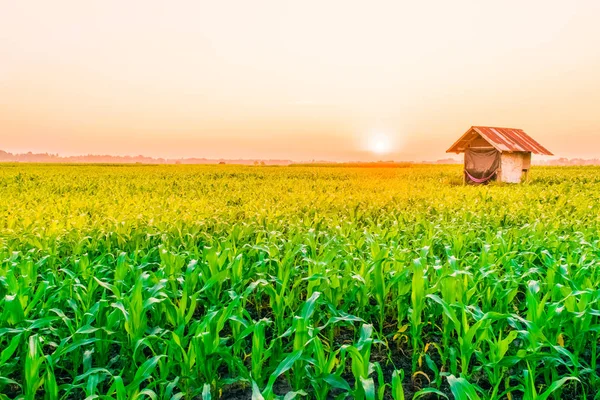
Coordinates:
<point>512,166</point>
<point>526,165</point>
<point>526,161</point>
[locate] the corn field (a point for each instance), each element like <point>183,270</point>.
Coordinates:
<point>208,282</point>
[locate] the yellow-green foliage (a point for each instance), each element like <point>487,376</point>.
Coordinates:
<point>192,282</point>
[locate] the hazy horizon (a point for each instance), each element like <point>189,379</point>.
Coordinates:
<point>45,157</point>
<point>337,81</point>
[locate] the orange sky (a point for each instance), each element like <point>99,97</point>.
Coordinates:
<point>310,79</point>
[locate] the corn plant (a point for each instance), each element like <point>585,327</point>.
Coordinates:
<point>186,282</point>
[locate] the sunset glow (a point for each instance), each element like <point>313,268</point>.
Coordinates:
<point>380,143</point>
<point>295,80</point>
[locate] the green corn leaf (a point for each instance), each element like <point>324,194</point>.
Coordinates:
<point>144,372</point>
<point>368,387</point>
<point>12,310</point>
<point>555,386</point>
<point>286,364</point>
<point>256,394</point>
<point>206,392</point>
<point>461,389</point>
<point>337,382</point>
<point>397,388</point>
<point>309,306</point>
<point>147,393</point>
<point>8,352</point>
<point>293,395</point>
<point>427,392</point>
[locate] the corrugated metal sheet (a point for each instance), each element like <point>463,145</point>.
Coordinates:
<point>503,139</point>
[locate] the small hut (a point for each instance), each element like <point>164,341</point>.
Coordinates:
<point>500,154</point>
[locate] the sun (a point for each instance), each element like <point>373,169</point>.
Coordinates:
<point>379,143</point>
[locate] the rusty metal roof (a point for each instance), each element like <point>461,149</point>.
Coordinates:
<point>502,139</point>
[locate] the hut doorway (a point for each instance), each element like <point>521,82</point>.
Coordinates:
<point>481,165</point>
